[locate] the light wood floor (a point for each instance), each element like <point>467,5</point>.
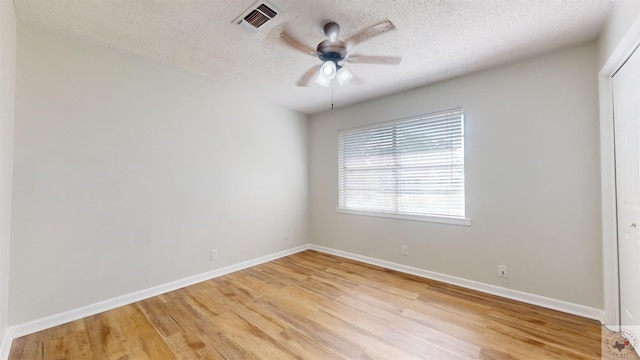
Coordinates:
<point>316,306</point>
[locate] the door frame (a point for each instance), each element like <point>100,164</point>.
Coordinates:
<point>622,52</point>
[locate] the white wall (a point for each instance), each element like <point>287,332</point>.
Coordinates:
<point>127,173</point>
<point>532,180</point>
<point>7,92</point>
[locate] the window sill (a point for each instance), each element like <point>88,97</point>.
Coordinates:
<point>425,218</point>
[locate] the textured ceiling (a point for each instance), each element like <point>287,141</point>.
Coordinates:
<point>437,39</point>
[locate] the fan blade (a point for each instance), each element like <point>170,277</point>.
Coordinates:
<point>372,59</point>
<point>304,79</point>
<point>294,43</point>
<point>370,32</point>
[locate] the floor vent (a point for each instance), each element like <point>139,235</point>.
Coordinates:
<point>258,15</point>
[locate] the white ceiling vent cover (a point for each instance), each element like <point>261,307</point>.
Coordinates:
<point>259,16</point>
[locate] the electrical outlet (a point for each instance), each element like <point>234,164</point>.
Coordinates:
<point>213,254</point>
<point>502,271</point>
<point>405,250</point>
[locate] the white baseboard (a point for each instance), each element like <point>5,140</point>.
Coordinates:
<point>5,346</point>
<point>554,304</point>
<point>79,313</point>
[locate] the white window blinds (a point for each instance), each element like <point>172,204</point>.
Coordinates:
<point>410,166</point>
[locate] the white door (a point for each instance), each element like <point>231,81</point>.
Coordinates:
<point>626,109</point>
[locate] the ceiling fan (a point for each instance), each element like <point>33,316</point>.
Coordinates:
<point>333,51</point>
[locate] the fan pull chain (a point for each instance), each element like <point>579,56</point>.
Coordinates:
<point>331,96</point>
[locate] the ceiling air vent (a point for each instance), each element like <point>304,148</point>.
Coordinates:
<point>258,15</point>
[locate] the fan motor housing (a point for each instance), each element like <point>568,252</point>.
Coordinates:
<point>332,50</point>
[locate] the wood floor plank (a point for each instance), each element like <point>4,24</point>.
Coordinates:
<point>296,316</point>
<point>399,329</point>
<point>307,347</point>
<point>361,332</point>
<point>199,329</point>
<point>106,340</point>
<point>27,348</point>
<point>313,305</point>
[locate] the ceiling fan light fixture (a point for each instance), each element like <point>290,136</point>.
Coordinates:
<point>322,80</point>
<point>328,69</point>
<point>343,76</point>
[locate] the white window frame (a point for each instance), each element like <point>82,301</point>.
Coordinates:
<point>393,126</point>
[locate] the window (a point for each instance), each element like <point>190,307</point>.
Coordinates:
<point>408,168</point>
